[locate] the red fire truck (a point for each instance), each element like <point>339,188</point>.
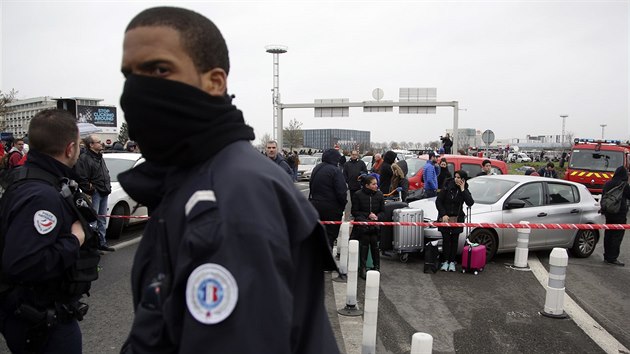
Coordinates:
<point>593,162</point>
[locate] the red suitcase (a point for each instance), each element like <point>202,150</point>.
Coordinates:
<point>473,258</point>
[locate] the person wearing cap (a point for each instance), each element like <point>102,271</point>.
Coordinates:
<point>132,146</point>
<point>430,176</point>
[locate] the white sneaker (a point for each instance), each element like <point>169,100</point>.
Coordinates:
<point>451,267</point>
<point>444,267</point>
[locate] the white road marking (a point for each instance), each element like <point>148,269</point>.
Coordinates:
<point>593,329</point>
<point>133,241</point>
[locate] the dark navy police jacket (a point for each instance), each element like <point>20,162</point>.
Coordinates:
<point>245,254</point>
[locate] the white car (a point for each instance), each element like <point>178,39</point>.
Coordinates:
<point>118,202</point>
<point>519,157</point>
<point>306,166</point>
<point>516,198</point>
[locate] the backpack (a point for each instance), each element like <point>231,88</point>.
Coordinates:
<point>611,200</point>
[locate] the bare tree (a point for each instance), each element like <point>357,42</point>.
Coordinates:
<point>263,141</point>
<point>394,145</point>
<point>568,137</point>
<point>5,98</point>
<point>434,144</point>
<point>293,135</point>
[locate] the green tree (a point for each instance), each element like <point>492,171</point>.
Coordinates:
<point>5,98</point>
<point>123,134</point>
<point>293,135</point>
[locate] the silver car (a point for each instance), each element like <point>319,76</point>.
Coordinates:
<point>306,166</point>
<point>516,198</point>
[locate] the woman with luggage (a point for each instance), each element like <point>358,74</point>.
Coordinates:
<point>368,204</point>
<point>450,202</point>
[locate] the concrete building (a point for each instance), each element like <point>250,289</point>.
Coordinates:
<point>466,137</point>
<point>346,139</point>
<point>20,113</point>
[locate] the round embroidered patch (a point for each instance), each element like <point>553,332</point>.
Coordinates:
<point>211,293</point>
<point>44,221</point>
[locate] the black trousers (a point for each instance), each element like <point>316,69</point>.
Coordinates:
<point>450,241</point>
<point>612,239</point>
<point>329,212</point>
<point>369,241</point>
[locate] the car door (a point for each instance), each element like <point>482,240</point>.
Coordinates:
<point>562,208</point>
<point>533,211</point>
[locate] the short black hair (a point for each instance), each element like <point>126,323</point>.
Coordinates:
<point>200,37</point>
<point>51,130</point>
<point>550,164</point>
<point>485,162</point>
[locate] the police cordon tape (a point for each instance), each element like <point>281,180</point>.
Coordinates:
<point>488,225</point>
<point>484,225</point>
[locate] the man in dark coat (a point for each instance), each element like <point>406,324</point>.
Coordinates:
<point>219,257</point>
<point>328,192</point>
<point>352,169</point>
<point>613,238</point>
<point>272,153</point>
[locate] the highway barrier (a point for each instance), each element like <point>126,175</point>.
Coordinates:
<point>370,316</point>
<point>342,244</point>
<point>522,247</point>
<point>421,343</point>
<point>554,300</point>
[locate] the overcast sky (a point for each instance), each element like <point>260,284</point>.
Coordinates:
<point>514,66</point>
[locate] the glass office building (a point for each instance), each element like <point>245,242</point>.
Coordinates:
<point>329,138</point>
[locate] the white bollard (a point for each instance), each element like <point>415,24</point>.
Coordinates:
<point>351,308</point>
<point>522,247</point>
<point>370,316</point>
<point>554,301</point>
<point>421,343</point>
<point>342,244</point>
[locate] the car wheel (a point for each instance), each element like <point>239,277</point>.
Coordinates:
<point>114,229</point>
<point>585,242</point>
<point>487,238</point>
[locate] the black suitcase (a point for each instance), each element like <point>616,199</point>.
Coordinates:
<point>387,232</point>
<point>431,257</point>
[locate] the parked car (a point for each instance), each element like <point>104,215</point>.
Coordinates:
<point>470,164</point>
<point>118,202</point>
<point>305,168</point>
<point>519,157</point>
<point>368,161</point>
<point>516,198</point>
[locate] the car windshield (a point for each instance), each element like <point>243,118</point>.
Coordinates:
<point>596,160</point>
<point>116,166</point>
<point>308,160</point>
<point>488,191</point>
<point>414,165</point>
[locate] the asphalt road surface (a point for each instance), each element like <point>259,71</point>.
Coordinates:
<point>497,311</point>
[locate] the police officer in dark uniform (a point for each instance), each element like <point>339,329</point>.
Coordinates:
<point>233,258</point>
<point>41,237</point>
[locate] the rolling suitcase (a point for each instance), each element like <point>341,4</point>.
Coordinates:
<point>408,239</point>
<point>387,232</point>
<point>474,255</point>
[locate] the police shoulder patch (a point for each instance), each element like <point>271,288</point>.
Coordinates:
<point>44,221</point>
<point>211,293</point>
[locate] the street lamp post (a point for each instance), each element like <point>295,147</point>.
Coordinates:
<point>564,118</point>
<point>603,126</point>
<point>276,50</point>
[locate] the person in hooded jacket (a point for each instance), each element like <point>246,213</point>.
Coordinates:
<point>450,205</point>
<point>328,192</point>
<point>368,204</point>
<point>444,173</point>
<point>386,171</point>
<point>613,238</point>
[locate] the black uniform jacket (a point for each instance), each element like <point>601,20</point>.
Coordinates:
<point>364,202</point>
<point>242,214</point>
<point>37,222</point>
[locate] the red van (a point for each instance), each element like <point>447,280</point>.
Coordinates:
<point>470,164</point>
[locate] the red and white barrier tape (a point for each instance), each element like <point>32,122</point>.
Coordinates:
<point>489,225</point>
<point>484,225</point>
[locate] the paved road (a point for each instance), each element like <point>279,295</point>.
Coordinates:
<point>494,312</point>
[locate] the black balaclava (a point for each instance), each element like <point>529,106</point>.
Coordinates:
<point>176,124</point>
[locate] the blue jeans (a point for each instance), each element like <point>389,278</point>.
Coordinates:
<point>99,202</point>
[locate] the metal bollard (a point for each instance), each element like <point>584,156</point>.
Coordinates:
<point>421,343</point>
<point>342,244</point>
<point>372,286</point>
<point>522,247</point>
<point>554,301</point>
<point>351,308</point>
